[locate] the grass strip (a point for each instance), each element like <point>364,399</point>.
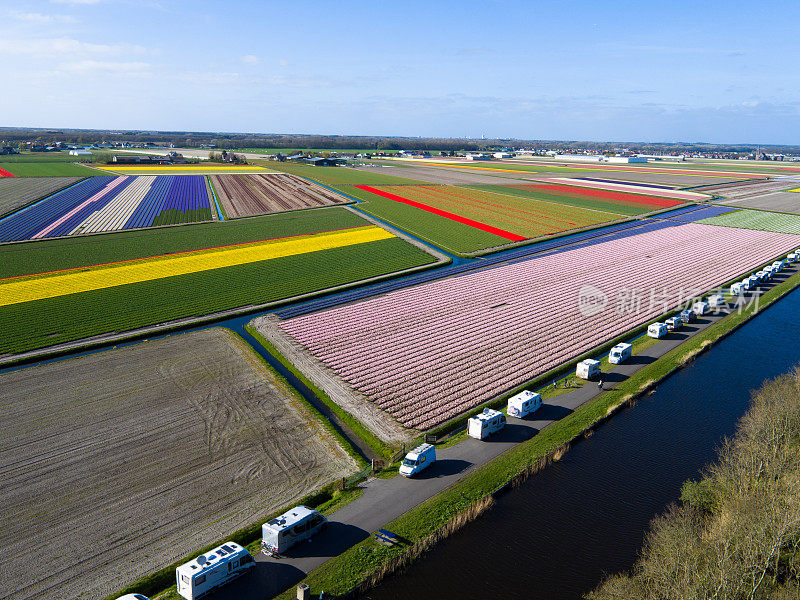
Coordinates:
<point>369,560</point>
<point>377,445</point>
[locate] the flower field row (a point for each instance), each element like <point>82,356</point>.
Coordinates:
<point>16,192</point>
<point>108,204</point>
<point>428,353</point>
<point>50,285</point>
<point>4,173</point>
<point>248,195</point>
<point>652,189</point>
<point>613,196</point>
<point>758,219</point>
<point>511,217</point>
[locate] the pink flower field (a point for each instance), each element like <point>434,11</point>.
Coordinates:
<point>428,353</point>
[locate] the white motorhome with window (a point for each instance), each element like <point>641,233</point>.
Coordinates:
<point>700,308</point>
<point>778,265</point>
<point>737,288</point>
<point>133,597</point>
<point>674,323</point>
<point>620,353</point>
<point>418,459</point>
<point>586,369</point>
<point>657,330</point>
<point>212,570</point>
<point>791,257</point>
<point>523,404</point>
<point>296,525</point>
<point>485,424</point>
<point>716,301</point>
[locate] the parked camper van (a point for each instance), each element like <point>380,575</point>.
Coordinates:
<point>418,459</point>
<point>674,323</point>
<point>716,301</point>
<point>133,597</point>
<point>485,424</point>
<point>620,353</point>
<point>657,330</point>
<point>587,369</point>
<point>791,258</point>
<point>749,283</point>
<point>778,265</point>
<point>737,288</point>
<point>700,308</point>
<point>293,526</point>
<point>688,316</point>
<point>523,404</point>
<point>212,570</point>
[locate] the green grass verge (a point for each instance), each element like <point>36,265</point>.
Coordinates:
<point>361,430</point>
<point>440,231</point>
<point>41,323</point>
<point>577,201</point>
<point>49,169</point>
<point>50,255</point>
<point>349,569</point>
<point>333,176</point>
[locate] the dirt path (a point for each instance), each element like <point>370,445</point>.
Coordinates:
<point>124,459</point>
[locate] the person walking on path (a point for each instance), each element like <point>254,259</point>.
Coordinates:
<point>600,384</point>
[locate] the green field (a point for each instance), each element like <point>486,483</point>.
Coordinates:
<point>41,323</point>
<point>589,203</point>
<point>40,256</point>
<point>440,231</point>
<point>333,176</point>
<point>48,168</point>
<point>758,219</point>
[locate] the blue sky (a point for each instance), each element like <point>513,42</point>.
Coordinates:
<point>721,72</point>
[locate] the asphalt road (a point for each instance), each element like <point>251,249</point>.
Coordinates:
<point>386,499</point>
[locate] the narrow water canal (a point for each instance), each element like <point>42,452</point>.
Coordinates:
<point>557,535</point>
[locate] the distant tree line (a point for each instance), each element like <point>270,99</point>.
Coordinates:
<point>235,141</point>
<point>736,533</point>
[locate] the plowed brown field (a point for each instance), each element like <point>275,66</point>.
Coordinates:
<point>120,462</point>
<point>249,195</point>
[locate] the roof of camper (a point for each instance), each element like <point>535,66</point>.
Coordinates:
<point>488,413</point>
<point>289,518</point>
<point>210,559</point>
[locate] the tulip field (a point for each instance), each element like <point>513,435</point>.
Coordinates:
<point>758,219</point>
<point>99,204</point>
<point>248,195</point>
<point>428,353</point>
<point>16,192</point>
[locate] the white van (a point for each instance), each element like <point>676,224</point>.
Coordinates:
<point>588,368</point>
<point>657,330</point>
<point>212,570</point>
<point>418,459</point>
<point>133,597</point>
<point>778,265</point>
<point>700,308</point>
<point>523,404</point>
<point>791,257</point>
<point>716,301</point>
<point>620,353</point>
<point>674,323</point>
<point>293,526</point>
<point>485,424</point>
<point>737,288</point>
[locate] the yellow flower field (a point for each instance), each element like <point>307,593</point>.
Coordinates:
<point>50,285</point>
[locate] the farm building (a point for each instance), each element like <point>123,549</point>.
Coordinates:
<point>80,152</point>
<point>325,162</point>
<point>134,159</point>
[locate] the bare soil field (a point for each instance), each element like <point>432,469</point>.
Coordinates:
<point>249,195</point>
<point>747,189</point>
<point>16,192</point>
<point>780,201</point>
<point>123,461</point>
<point>443,175</point>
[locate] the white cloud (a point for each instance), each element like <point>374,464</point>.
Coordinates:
<point>47,47</point>
<point>250,59</point>
<point>40,18</point>
<point>105,66</point>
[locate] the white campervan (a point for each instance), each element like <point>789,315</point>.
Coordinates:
<point>587,369</point>
<point>485,424</point>
<point>212,570</point>
<point>418,459</point>
<point>700,308</point>
<point>674,323</point>
<point>620,353</point>
<point>657,330</point>
<point>716,301</point>
<point>523,404</point>
<point>293,526</point>
<point>737,288</point>
<point>133,597</point>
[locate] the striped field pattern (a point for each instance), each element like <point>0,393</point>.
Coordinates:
<point>17,290</point>
<point>758,219</point>
<point>428,353</point>
<point>109,204</point>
